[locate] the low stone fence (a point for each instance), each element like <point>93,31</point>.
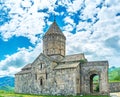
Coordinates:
<point>114,86</point>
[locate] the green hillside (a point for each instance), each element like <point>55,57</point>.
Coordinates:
<point>114,74</point>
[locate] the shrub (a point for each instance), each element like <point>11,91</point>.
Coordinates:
<point>83,61</point>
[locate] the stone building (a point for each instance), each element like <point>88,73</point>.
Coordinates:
<point>55,73</point>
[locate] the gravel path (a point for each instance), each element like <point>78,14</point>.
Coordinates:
<point>115,94</point>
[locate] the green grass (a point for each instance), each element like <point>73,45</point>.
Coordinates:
<point>12,94</point>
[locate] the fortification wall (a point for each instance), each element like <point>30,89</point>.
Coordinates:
<point>114,87</point>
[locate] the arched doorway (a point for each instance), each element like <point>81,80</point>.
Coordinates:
<point>94,83</point>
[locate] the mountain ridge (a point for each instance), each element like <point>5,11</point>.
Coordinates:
<point>7,83</point>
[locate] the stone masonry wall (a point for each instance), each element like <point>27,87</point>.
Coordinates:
<point>65,81</point>
<point>54,81</point>
<point>114,87</point>
<point>59,82</point>
<point>22,83</point>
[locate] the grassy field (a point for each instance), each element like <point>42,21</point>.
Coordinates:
<point>12,94</point>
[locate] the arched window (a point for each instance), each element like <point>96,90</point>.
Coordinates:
<point>41,82</point>
<point>40,66</point>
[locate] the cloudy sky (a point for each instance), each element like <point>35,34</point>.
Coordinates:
<point>91,27</point>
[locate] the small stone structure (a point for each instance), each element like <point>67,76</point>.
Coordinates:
<point>91,69</point>
<point>55,73</point>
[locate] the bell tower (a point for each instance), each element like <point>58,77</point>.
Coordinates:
<point>54,42</point>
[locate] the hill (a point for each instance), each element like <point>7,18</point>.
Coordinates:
<point>114,74</point>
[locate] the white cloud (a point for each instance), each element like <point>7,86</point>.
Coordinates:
<point>26,20</point>
<point>9,72</point>
<point>69,20</point>
<point>119,42</point>
<point>68,28</point>
<point>26,3</point>
<point>112,3</point>
<point>28,26</point>
<point>93,45</point>
<point>50,4</point>
<point>89,10</point>
<point>94,49</point>
<point>75,42</point>
<point>83,26</point>
<point>64,2</point>
<point>70,24</point>
<point>19,59</point>
<point>75,6</point>
<point>29,23</point>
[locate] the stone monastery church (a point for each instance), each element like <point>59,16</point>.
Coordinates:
<point>55,73</point>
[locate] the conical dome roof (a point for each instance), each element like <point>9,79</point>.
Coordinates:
<point>54,29</point>
<point>54,42</point>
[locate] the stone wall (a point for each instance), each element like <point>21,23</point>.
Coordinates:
<point>59,82</point>
<point>23,83</point>
<point>66,81</point>
<point>114,87</point>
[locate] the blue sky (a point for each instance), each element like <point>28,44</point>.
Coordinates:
<point>91,27</point>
